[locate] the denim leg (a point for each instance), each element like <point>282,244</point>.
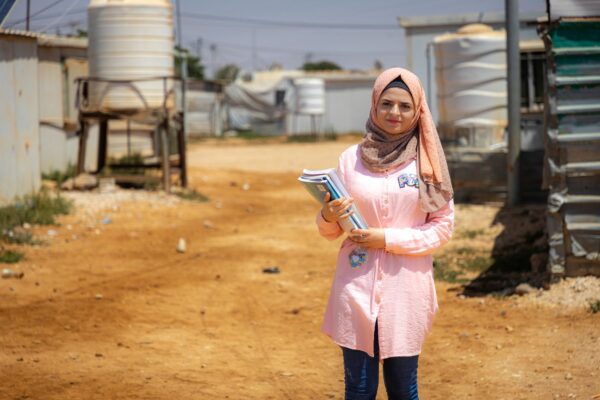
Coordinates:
<point>361,375</point>
<point>400,378</point>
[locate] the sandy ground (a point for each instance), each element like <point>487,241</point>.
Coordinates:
<point>113,311</point>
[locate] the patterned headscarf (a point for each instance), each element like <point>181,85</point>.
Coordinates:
<point>381,151</point>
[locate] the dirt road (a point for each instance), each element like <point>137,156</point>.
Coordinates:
<point>110,310</point>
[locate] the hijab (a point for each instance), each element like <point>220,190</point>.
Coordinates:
<point>380,151</point>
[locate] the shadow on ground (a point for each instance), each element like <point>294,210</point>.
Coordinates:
<point>519,254</point>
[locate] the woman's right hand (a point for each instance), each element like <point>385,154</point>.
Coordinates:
<point>337,209</point>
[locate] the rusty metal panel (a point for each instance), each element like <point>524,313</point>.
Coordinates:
<point>572,167</point>
<point>19,133</point>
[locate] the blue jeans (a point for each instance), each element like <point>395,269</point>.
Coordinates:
<point>361,375</point>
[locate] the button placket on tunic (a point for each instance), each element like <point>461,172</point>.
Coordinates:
<point>395,285</point>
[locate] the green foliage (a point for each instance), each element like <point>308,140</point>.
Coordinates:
<point>227,73</point>
<point>192,195</point>
<point>60,176</point>
<point>195,69</point>
<point>134,160</point>
<point>39,209</point>
<point>471,234</point>
<point>444,272</point>
<point>322,65</point>
<point>595,306</point>
<point>10,257</point>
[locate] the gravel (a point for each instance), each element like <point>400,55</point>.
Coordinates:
<point>569,294</point>
<point>95,201</point>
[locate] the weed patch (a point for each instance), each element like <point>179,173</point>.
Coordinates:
<point>10,257</point>
<point>192,195</point>
<point>595,307</point>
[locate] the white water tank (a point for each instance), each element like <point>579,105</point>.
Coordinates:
<point>471,79</point>
<point>310,96</point>
<point>129,40</point>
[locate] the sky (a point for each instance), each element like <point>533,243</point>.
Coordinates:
<point>258,34</point>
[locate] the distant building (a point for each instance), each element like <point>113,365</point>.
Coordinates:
<point>267,102</point>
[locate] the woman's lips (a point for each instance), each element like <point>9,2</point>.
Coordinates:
<point>393,121</point>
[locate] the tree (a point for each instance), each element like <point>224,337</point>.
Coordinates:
<point>227,73</point>
<point>322,65</point>
<point>194,67</point>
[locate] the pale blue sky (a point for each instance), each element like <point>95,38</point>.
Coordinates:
<point>234,41</point>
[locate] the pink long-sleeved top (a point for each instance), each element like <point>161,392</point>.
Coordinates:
<point>393,286</point>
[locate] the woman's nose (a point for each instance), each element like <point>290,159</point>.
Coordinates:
<point>395,109</point>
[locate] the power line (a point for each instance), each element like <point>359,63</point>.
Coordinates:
<point>300,51</point>
<point>292,24</point>
<point>37,12</point>
<point>49,16</point>
<point>61,16</point>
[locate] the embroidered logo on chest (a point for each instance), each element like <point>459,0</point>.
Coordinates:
<point>358,257</point>
<point>408,180</point>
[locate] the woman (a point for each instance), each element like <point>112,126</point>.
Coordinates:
<point>383,299</point>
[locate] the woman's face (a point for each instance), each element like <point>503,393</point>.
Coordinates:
<point>395,111</point>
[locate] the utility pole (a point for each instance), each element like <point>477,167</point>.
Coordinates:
<point>28,13</point>
<point>514,100</point>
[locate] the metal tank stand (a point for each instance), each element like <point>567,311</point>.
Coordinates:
<point>169,146</point>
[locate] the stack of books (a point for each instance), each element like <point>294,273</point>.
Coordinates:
<point>320,182</point>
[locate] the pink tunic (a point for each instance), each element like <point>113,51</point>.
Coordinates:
<point>393,286</point>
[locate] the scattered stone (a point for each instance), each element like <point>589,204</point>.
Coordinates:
<point>498,346</point>
<point>246,186</point>
<point>287,374</point>
<point>48,184</point>
<point>524,288</point>
<point>106,220</point>
<point>8,273</point>
<point>107,185</point>
<point>99,355</point>
<point>509,328</point>
<point>181,245</point>
<point>99,296</point>
<point>271,270</point>
<point>503,313</point>
<point>20,359</point>
<point>233,184</point>
<point>208,224</point>
<point>85,181</point>
<point>52,232</point>
<point>218,204</point>
<point>463,335</point>
<point>26,226</point>
<point>568,376</point>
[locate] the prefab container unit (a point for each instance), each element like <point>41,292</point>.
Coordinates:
<point>19,129</point>
<point>61,60</point>
<point>572,168</point>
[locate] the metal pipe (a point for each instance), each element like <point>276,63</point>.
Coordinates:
<point>514,101</point>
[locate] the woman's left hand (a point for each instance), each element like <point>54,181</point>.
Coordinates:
<point>373,238</point>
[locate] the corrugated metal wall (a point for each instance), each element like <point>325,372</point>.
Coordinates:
<point>19,133</point>
<point>58,68</point>
<point>572,169</point>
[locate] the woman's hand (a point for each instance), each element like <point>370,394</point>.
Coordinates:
<point>373,238</point>
<point>338,209</point>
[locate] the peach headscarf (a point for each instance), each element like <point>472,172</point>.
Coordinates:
<point>436,188</point>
